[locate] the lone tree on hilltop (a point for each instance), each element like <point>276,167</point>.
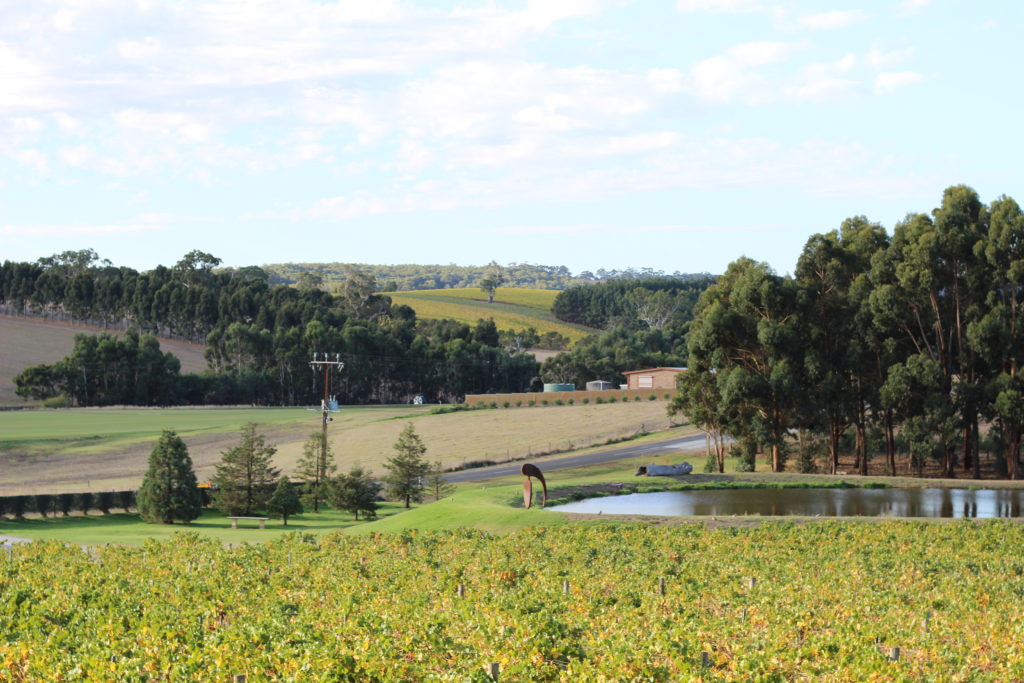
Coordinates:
<point>407,468</point>
<point>245,474</point>
<point>493,278</point>
<point>285,501</point>
<point>169,490</point>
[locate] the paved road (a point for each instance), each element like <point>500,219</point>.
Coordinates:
<point>642,450</point>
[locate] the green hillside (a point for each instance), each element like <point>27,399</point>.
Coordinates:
<point>32,341</point>
<point>513,308</point>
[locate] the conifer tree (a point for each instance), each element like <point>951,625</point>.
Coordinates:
<point>407,468</point>
<point>437,485</point>
<point>315,467</point>
<point>355,492</point>
<point>245,475</point>
<point>168,490</point>
<point>285,501</point>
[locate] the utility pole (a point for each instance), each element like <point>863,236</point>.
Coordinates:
<point>326,363</point>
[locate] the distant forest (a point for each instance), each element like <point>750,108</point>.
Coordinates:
<point>260,336</point>
<point>395,278</point>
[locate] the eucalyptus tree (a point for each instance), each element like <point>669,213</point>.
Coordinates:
<point>939,279</point>
<point>998,335</point>
<point>746,327</point>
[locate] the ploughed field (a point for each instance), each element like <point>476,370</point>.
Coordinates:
<point>828,601</point>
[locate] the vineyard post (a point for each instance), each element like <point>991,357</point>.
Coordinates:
<point>461,591</point>
<point>895,655</point>
<point>705,660</point>
<point>494,670</point>
<point>239,678</point>
<point>565,588</point>
<point>751,582</point>
<point>661,586</point>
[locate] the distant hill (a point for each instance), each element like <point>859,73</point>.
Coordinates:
<point>406,277</point>
<point>513,309</point>
<point>32,341</point>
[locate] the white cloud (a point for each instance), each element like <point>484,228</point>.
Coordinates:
<point>892,81</point>
<point>182,128</point>
<point>914,5</point>
<point>543,13</point>
<point>32,158</point>
<point>880,59</point>
<point>735,74</point>
<point>826,21</point>
<point>724,6</point>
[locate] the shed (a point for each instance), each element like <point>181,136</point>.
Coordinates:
<point>653,378</point>
<point>599,385</point>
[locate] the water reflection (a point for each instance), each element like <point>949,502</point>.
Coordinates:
<point>987,503</point>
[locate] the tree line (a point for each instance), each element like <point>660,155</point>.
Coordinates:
<point>405,277</point>
<point>876,343</point>
<point>246,482</point>
<point>259,337</point>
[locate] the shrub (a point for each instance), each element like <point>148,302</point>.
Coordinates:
<point>599,401</point>
<point>506,404</point>
<point>559,402</point>
<point>518,403</point>
<point>84,502</point>
<point>531,403</point>
<point>66,503</point>
<point>611,399</point>
<point>55,402</point>
<point>44,504</point>
<point>572,401</point>
<point>586,401</point>
<point>668,396</point>
<point>651,397</point>
<point>637,397</point>
<point>544,402</point>
<point>104,501</point>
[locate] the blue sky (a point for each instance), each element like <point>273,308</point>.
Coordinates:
<point>587,133</point>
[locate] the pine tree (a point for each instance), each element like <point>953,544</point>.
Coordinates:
<point>437,485</point>
<point>245,475</point>
<point>285,501</point>
<point>315,467</point>
<point>407,468</point>
<point>168,490</point>
<point>354,492</point>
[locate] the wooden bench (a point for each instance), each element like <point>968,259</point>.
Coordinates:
<point>261,520</point>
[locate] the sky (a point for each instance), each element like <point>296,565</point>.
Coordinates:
<point>676,135</point>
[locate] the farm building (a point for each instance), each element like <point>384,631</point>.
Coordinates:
<point>652,378</point>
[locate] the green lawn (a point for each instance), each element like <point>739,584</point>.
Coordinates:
<point>128,528</point>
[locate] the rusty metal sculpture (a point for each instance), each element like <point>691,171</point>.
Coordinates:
<point>529,470</point>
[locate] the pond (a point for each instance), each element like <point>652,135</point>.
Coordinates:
<point>890,502</point>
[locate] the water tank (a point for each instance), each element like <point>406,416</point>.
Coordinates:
<point>548,388</point>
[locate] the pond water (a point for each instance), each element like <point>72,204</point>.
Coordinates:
<point>985,503</point>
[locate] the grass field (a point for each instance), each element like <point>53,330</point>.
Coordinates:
<point>128,528</point>
<point>31,341</point>
<point>52,451</point>
<point>512,308</point>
